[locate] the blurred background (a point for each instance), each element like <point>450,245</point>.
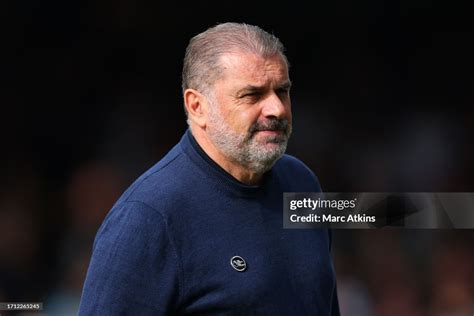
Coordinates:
<point>382,101</point>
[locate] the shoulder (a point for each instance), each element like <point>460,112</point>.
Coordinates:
<point>298,173</point>
<point>164,184</point>
<point>131,221</point>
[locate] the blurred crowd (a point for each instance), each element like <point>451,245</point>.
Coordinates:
<point>48,228</point>
<point>405,272</point>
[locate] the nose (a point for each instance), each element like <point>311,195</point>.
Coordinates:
<point>274,107</point>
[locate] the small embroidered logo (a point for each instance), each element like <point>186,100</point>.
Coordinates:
<point>238,263</point>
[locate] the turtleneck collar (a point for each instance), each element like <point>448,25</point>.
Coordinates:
<point>191,148</point>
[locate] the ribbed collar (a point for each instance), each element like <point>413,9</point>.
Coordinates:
<point>192,149</point>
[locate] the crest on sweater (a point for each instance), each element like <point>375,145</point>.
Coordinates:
<point>238,263</point>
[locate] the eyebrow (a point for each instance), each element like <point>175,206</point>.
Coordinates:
<point>252,88</point>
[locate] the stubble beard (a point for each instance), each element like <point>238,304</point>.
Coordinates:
<point>257,153</point>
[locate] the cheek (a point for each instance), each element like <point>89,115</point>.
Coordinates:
<point>241,120</point>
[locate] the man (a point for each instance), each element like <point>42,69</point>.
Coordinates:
<point>202,231</point>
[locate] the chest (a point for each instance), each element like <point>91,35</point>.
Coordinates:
<point>250,261</point>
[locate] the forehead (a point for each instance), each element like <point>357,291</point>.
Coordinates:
<point>247,68</point>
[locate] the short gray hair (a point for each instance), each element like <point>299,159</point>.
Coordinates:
<point>201,62</point>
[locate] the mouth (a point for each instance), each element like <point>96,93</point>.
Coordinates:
<point>270,132</point>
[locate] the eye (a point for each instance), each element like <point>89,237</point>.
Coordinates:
<point>252,95</point>
<point>283,91</point>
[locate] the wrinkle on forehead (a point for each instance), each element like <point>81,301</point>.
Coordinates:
<point>248,66</point>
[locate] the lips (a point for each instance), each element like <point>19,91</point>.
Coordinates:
<point>271,132</point>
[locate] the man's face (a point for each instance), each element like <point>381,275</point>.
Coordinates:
<point>250,110</point>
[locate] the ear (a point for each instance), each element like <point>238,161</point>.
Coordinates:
<point>196,105</point>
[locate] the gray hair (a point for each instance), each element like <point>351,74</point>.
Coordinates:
<point>201,62</point>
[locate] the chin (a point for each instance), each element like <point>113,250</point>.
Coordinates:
<point>266,161</point>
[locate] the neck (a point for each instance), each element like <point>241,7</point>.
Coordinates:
<point>240,172</point>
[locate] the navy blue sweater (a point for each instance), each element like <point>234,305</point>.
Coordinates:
<point>166,245</point>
